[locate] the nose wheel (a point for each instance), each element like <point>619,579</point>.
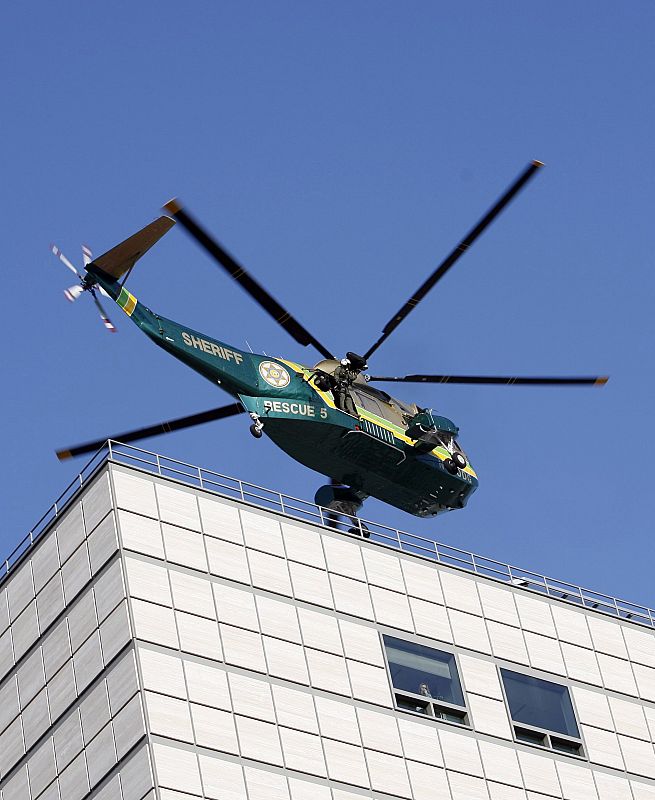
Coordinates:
<point>257,427</point>
<point>455,463</point>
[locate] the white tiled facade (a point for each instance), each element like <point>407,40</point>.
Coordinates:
<point>164,642</point>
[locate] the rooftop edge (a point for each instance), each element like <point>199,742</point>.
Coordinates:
<point>295,508</point>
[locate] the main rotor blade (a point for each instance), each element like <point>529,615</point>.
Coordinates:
<point>254,289</point>
<point>498,380</point>
<point>154,430</point>
<point>448,262</point>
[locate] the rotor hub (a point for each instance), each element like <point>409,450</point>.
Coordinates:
<point>354,362</point>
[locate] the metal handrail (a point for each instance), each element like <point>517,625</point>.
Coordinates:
<point>296,508</point>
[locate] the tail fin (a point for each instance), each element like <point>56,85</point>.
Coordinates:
<point>117,261</point>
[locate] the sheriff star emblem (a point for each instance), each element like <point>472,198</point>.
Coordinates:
<point>274,374</point>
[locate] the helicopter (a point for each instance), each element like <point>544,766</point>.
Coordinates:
<point>328,416</point>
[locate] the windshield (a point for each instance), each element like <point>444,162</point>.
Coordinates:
<point>382,404</point>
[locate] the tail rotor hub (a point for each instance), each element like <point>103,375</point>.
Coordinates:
<point>87,283</point>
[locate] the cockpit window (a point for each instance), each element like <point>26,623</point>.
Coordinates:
<point>404,408</point>
<point>381,404</point>
<point>368,402</point>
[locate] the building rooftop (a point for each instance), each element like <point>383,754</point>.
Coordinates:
<point>296,508</point>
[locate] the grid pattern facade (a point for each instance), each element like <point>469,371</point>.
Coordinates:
<point>166,642</point>
<point>70,707</point>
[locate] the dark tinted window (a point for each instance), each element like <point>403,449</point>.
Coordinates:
<point>541,704</point>
<point>369,403</point>
<point>423,671</point>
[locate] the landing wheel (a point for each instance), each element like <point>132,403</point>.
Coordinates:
<point>256,431</point>
<point>332,520</point>
<point>459,460</point>
<point>339,499</point>
<point>450,466</point>
<point>360,530</point>
<point>341,504</point>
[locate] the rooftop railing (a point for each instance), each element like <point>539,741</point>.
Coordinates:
<point>296,508</point>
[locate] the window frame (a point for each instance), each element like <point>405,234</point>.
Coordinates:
<point>434,709</point>
<point>549,738</point>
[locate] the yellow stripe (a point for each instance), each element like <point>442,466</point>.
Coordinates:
<point>440,453</point>
<point>130,305</point>
<point>126,301</point>
<point>364,414</point>
<point>325,396</point>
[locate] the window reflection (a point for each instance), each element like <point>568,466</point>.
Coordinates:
<point>540,703</point>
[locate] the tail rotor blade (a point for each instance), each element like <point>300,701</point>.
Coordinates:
<point>103,316</point>
<point>73,292</point>
<point>57,252</point>
<point>87,255</point>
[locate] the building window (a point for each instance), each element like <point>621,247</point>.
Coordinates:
<point>542,713</point>
<point>425,681</point>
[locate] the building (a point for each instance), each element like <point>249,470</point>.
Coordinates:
<point>160,640</point>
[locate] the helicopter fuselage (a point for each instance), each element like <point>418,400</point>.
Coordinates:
<point>370,452</point>
<point>327,417</point>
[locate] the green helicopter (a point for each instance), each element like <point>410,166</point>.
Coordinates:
<point>328,416</point>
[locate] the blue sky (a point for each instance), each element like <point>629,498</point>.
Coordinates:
<point>340,150</point>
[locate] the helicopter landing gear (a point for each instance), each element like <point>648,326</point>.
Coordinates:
<point>450,466</point>
<point>342,501</point>
<point>360,530</point>
<point>454,463</point>
<point>257,427</point>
